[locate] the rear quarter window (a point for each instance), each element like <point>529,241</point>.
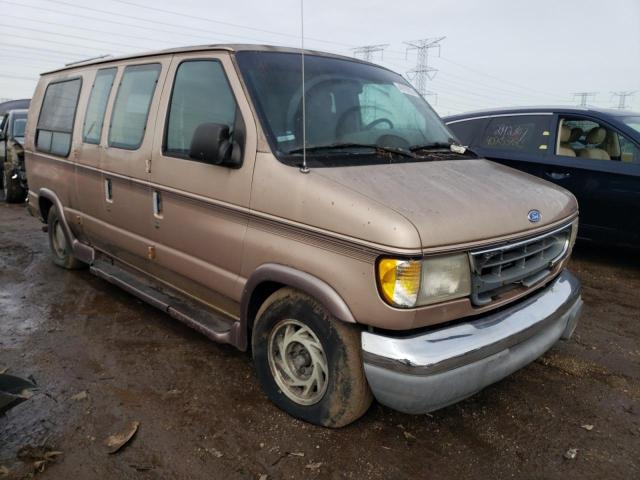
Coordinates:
<point>57,116</point>
<point>467,131</point>
<point>518,133</point>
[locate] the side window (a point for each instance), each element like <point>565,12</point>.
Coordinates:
<point>518,133</point>
<point>467,131</point>
<point>3,122</point>
<point>55,125</point>
<point>629,152</point>
<point>19,125</point>
<point>94,117</point>
<point>131,109</point>
<point>591,140</point>
<point>201,94</point>
<point>572,135</point>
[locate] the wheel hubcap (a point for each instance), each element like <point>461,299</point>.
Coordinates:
<point>298,362</point>
<point>59,241</point>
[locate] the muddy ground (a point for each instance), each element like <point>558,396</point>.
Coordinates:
<point>203,415</point>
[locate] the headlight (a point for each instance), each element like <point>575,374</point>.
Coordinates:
<point>411,283</point>
<point>574,234</point>
<point>445,278</point>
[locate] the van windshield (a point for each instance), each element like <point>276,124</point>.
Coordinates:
<point>351,107</point>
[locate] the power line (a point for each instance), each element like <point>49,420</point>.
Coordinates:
<point>423,71</point>
<point>180,14</point>
<point>58,53</point>
<point>76,15</point>
<point>229,24</point>
<point>27,29</point>
<point>18,77</point>
<point>622,98</point>
<point>367,52</point>
<point>480,72</point>
<point>133,17</point>
<point>584,97</point>
<point>66,44</point>
<point>77,27</point>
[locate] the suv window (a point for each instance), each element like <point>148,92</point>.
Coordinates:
<point>467,130</point>
<point>592,140</point>
<point>131,109</point>
<point>94,118</point>
<point>201,94</point>
<point>520,133</point>
<point>629,151</point>
<point>55,125</point>
<point>19,125</point>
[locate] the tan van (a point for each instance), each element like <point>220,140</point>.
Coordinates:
<point>364,254</point>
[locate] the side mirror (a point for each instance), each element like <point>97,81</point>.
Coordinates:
<point>211,143</point>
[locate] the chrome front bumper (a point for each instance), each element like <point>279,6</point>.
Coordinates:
<point>428,371</point>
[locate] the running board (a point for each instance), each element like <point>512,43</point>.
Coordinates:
<point>205,320</point>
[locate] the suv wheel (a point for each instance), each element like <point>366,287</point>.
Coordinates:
<point>60,250</point>
<point>13,191</point>
<point>309,363</point>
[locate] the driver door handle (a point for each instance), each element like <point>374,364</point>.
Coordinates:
<point>557,175</point>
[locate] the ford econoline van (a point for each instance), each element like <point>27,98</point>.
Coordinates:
<point>335,231</point>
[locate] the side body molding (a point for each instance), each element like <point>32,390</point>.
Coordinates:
<point>81,251</point>
<point>305,282</point>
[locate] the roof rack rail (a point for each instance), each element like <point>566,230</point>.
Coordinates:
<point>87,60</point>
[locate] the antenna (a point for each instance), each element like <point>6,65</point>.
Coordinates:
<point>303,168</point>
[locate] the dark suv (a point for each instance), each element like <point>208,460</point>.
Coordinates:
<point>13,178</point>
<point>594,153</point>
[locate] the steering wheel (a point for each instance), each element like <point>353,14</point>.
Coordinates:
<point>355,109</point>
<point>378,121</point>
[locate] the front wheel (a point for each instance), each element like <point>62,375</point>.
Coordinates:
<point>309,363</point>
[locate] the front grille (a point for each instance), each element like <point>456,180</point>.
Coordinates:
<point>497,270</point>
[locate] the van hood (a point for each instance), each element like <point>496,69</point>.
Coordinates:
<point>461,201</point>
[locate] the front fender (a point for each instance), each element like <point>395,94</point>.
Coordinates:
<point>291,277</point>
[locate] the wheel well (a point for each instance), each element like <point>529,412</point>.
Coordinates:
<point>260,293</point>
<point>44,205</point>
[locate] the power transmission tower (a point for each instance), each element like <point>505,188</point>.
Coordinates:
<point>622,98</point>
<point>423,71</point>
<point>367,52</point>
<point>584,97</point>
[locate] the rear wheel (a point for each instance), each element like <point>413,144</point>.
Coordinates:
<point>60,249</point>
<point>309,363</point>
<point>13,191</point>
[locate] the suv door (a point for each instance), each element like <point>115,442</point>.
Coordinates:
<point>519,141</point>
<point>601,167</point>
<point>200,211</point>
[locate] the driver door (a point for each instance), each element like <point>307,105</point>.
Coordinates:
<point>200,210</point>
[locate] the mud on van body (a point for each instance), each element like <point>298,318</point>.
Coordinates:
<point>395,264</point>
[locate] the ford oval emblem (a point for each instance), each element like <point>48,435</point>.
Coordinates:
<point>534,216</point>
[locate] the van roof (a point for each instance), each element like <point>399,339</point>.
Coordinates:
<point>198,48</point>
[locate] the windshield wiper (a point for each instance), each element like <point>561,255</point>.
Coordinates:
<point>431,146</point>
<point>344,146</point>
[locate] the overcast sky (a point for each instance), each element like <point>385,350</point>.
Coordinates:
<point>496,52</point>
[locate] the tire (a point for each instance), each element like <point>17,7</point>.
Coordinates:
<point>60,250</point>
<point>338,396</point>
<point>13,191</point>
